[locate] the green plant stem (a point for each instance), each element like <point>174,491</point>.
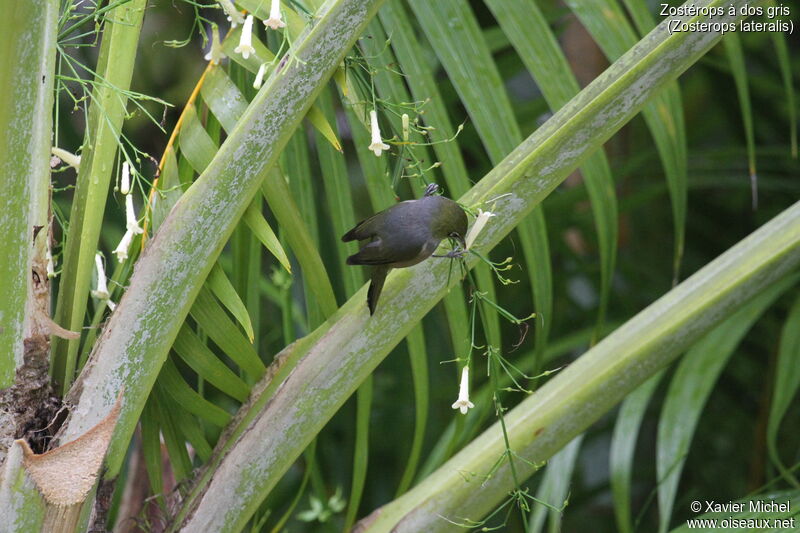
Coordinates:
<point>106,114</point>
<point>27,73</point>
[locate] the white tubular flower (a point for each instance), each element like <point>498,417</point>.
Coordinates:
<point>275,21</point>
<point>246,40</point>
<point>377,144</point>
<point>215,55</point>
<point>51,272</point>
<point>477,227</point>
<point>260,76</point>
<point>405,127</point>
<point>463,404</point>
<point>125,182</point>
<point>101,293</point>
<point>234,17</point>
<point>130,216</point>
<point>121,251</point>
<point>67,157</point>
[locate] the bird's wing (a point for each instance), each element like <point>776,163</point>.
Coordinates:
<point>370,227</point>
<point>378,253</point>
<point>363,230</point>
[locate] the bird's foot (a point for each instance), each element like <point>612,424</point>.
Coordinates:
<point>452,254</point>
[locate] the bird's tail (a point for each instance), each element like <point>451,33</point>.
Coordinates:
<point>375,287</point>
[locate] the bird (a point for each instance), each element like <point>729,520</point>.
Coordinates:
<point>403,235</point>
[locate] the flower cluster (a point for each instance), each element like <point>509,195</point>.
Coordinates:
<point>245,47</point>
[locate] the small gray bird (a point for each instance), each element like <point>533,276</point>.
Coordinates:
<point>404,235</point>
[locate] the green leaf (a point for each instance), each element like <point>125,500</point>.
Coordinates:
<point>361,453</point>
<point>224,99</point>
<point>782,51</point>
<point>300,239</point>
<point>179,458</point>
<point>733,49</point>
<point>151,449</point>
<point>338,196</point>
<point>419,372</point>
<point>640,13</point>
<point>192,430</point>
<point>554,488</point>
<point>256,222</point>
<point>318,119</point>
<point>27,72</point>
<point>176,387</point>
<point>223,289</point>
<point>212,318</point>
<point>208,366</point>
<point>787,382</point>
<point>196,144</point>
<point>623,446</point>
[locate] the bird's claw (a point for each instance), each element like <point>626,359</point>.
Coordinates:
<point>431,189</point>
<point>452,254</point>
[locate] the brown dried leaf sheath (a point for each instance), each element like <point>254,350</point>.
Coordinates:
<point>66,474</point>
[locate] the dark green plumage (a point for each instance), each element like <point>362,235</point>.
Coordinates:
<point>404,235</point>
